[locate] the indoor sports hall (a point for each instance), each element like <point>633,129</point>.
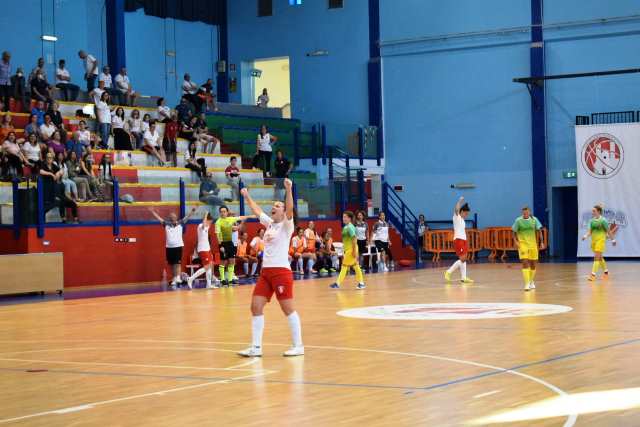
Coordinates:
<point>320,213</point>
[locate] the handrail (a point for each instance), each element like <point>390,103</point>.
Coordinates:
<point>401,216</point>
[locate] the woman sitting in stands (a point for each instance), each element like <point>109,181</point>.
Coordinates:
<point>135,128</point>
<point>209,96</point>
<point>54,190</point>
<point>32,152</point>
<point>190,161</point>
<point>164,112</point>
<point>13,155</point>
<point>208,142</point>
<point>32,126</point>
<point>170,140</point>
<point>57,120</point>
<point>105,178</point>
<point>327,256</point>
<point>146,119</point>
<point>86,167</point>
<point>55,144</point>
<point>74,169</point>
<point>6,127</point>
<point>152,146</point>
<point>70,187</point>
<point>122,139</point>
<point>48,128</point>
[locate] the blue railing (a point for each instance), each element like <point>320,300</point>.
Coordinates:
<point>401,217</point>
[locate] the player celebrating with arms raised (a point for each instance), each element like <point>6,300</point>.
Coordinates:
<point>276,275</point>
<point>525,233</point>
<point>599,230</point>
<point>460,214</point>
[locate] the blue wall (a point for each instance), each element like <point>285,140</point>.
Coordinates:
<point>148,38</point>
<point>78,25</point>
<point>453,115</point>
<point>329,88</point>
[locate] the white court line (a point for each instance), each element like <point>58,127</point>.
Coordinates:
<point>122,399</point>
<point>489,393</point>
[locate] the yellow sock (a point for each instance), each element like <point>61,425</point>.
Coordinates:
<point>359,276</point>
<point>603,264</point>
<point>343,273</point>
<point>532,274</point>
<point>596,267</point>
<point>525,275</point>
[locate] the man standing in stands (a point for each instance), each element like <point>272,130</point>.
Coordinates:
<point>90,69</point>
<point>190,91</point>
<point>5,79</point>
<point>232,173</point>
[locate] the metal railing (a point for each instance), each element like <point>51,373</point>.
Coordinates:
<point>609,118</point>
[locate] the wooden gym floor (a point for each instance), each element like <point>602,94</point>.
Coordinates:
<point>168,358</point>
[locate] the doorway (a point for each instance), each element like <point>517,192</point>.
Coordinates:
<point>273,74</point>
<point>565,222</point>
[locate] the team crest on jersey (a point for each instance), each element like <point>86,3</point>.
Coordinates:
<point>280,289</point>
<point>454,311</point>
<point>602,156</point>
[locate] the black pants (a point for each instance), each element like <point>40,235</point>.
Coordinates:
<point>121,139</point>
<point>91,82</point>
<point>5,94</point>
<point>196,101</point>
<point>15,162</point>
<point>69,91</point>
<point>266,162</point>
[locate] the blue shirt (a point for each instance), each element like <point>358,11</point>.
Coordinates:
<point>5,73</point>
<point>76,146</point>
<point>40,114</point>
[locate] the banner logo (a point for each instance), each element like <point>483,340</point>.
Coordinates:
<point>602,156</point>
<point>454,311</point>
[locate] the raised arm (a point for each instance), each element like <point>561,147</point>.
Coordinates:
<point>188,215</point>
<point>456,209</point>
<point>288,201</point>
<point>155,215</point>
<point>252,205</point>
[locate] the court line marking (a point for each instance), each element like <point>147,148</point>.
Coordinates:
<point>489,393</point>
<point>126,398</point>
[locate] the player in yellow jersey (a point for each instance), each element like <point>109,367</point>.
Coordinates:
<point>525,233</point>
<point>350,258</point>
<point>599,231</point>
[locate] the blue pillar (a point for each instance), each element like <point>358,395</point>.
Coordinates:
<point>16,208</point>
<point>116,207</point>
<point>361,145</point>
<point>242,207</point>
<point>183,201</point>
<point>116,48</point>
<point>296,146</point>
<point>538,125</point>
<point>374,74</point>
<point>223,43</point>
<point>41,212</point>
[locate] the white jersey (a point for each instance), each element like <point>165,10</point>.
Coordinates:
<point>276,242</point>
<point>173,235</point>
<point>381,231</point>
<point>458,228</point>
<point>203,239</point>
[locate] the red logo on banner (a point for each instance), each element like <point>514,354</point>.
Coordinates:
<point>602,156</point>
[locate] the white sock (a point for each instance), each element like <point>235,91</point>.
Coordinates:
<point>296,329</point>
<point>463,270</point>
<point>257,327</point>
<point>254,267</point>
<point>300,265</point>
<point>245,267</point>
<point>209,276</point>
<point>454,267</point>
<point>198,273</point>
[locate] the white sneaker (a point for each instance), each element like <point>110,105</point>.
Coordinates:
<point>211,286</point>
<point>532,285</point>
<point>527,287</point>
<point>294,351</point>
<point>385,269</point>
<point>251,352</point>
<point>190,283</point>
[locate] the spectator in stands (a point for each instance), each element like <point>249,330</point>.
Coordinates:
<point>122,139</point>
<point>201,133</point>
<point>105,76</point>
<point>105,178</point>
<point>190,92</point>
<point>55,144</point>
<point>104,118</point>
<point>54,190</point>
<point>313,240</point>
<point>187,130</point>
<point>232,173</point>
<point>6,126</point>
<point>264,148</point>
<point>90,69</point>
<point>74,144</point>
<point>283,168</point>
<point>170,140</point>
<point>47,129</point>
<point>256,252</point>
<point>422,229</point>
<point>146,119</point>
<point>190,161</point>
<point>123,85</point>
<point>75,173</point>
<point>19,90</point>
<point>151,144</point>
<point>242,253</point>
<point>33,126</point>
<point>96,93</point>
<point>84,135</point>
<point>38,69</point>
<point>40,89</point>
<point>184,111</point>
<point>263,100</point>
<point>70,187</point>
<point>209,95</point>
<point>57,120</point>
<point>164,112</point>
<point>209,190</point>
<point>135,128</point>
<point>63,82</point>
<point>297,252</point>
<point>15,158</point>
<point>39,111</point>
<point>32,151</point>
<point>5,79</point>
<point>327,255</point>
<point>86,167</point>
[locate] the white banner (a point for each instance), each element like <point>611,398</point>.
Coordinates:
<point>608,164</point>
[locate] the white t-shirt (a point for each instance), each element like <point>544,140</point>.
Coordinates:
<point>276,242</point>
<point>189,87</point>
<point>174,236</point>
<point>381,231</point>
<point>203,238</point>
<point>89,62</point>
<point>117,122</point>
<point>122,83</point>
<point>263,101</point>
<point>144,126</point>
<point>298,242</point>
<point>84,136</point>
<point>62,72</point>
<point>106,78</point>
<point>31,152</point>
<point>255,242</point>
<point>151,138</point>
<point>458,228</point>
<point>47,131</point>
<point>97,94</point>
<point>264,142</point>
<point>135,125</point>
<point>104,112</point>
<point>163,112</point>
